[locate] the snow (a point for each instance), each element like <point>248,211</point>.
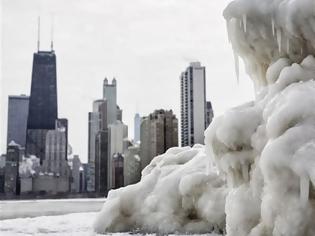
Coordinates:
<point>79,224</point>
<point>34,208</point>
<point>256,173</point>
<point>176,194</point>
<point>29,166</point>
<point>71,224</point>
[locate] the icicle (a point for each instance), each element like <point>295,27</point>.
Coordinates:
<point>288,45</point>
<point>208,168</point>
<point>237,66</point>
<point>304,189</point>
<point>229,178</point>
<point>301,51</point>
<point>245,172</point>
<point>279,39</point>
<point>273,26</point>
<point>244,22</point>
<point>228,30</point>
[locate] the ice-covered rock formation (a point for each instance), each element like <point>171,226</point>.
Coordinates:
<point>258,174</point>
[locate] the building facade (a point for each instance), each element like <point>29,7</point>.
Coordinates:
<point>159,132</point>
<point>193,104</point>
<point>209,113</point>
<point>137,124</point>
<point>55,162</point>
<point>17,119</point>
<point>76,184</point>
<point>12,180</point>
<point>117,171</point>
<point>2,172</point>
<point>110,95</point>
<point>98,145</point>
<point>105,138</point>
<point>117,135</point>
<point>101,161</point>
<point>43,111</point>
<point>132,165</point>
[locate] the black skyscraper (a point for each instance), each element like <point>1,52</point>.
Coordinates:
<point>43,102</point>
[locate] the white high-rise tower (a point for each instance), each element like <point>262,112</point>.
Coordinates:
<point>193,104</point>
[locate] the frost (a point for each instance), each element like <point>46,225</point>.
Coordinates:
<point>279,39</point>
<point>273,26</point>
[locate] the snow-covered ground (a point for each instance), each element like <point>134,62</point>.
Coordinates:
<point>70,224</point>
<point>50,217</point>
<point>33,208</point>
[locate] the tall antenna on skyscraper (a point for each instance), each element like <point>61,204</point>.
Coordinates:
<point>38,33</point>
<point>52,33</point>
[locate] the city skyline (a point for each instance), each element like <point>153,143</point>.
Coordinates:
<point>123,49</point>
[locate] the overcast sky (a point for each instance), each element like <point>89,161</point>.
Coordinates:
<point>145,44</point>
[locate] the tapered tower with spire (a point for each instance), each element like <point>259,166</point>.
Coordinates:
<point>43,108</point>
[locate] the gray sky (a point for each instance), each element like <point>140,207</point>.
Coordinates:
<point>145,44</point>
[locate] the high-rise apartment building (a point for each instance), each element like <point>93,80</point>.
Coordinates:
<point>194,118</point>
<point>43,111</point>
<point>117,134</point>
<point>132,165</point>
<point>13,158</point>
<point>96,154</point>
<point>17,119</point>
<point>137,124</point>
<point>101,161</point>
<point>77,172</point>
<point>55,158</point>
<point>159,132</point>
<point>110,94</point>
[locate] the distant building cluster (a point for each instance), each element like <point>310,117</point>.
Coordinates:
<point>39,159</point>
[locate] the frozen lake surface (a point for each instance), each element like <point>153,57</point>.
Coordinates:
<point>51,217</point>
<point>33,208</point>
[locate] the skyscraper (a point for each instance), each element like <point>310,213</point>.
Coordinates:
<point>13,158</point>
<point>97,147</point>
<point>209,113</point>
<point>193,104</point>
<point>137,124</point>
<point>117,134</point>
<point>17,119</point>
<point>43,110</point>
<point>110,94</point>
<point>159,132</point>
<point>132,165</point>
<point>55,158</point>
<point>101,161</point>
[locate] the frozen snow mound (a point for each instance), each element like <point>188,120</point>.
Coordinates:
<point>262,31</point>
<point>177,193</point>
